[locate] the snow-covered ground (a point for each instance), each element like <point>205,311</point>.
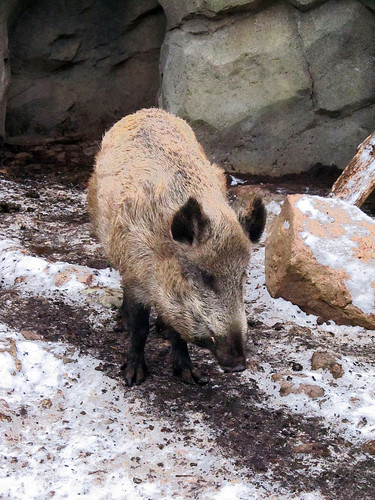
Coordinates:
<point>67,430</point>
<point>348,404</point>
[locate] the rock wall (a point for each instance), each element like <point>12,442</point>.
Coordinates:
<point>77,67</point>
<point>275,91</point>
<point>270,87</point>
<point>4,70</point>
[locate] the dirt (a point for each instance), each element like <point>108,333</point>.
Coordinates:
<point>255,436</point>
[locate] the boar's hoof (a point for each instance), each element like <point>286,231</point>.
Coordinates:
<point>189,374</point>
<point>134,371</point>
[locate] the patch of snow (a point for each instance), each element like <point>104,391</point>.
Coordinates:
<point>74,432</point>
<point>306,206</point>
<point>273,207</point>
<point>38,276</point>
<point>349,402</point>
<point>69,431</point>
<point>235,181</point>
<point>339,252</point>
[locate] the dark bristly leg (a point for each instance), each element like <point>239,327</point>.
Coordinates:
<point>161,328</point>
<point>124,313</point>
<point>182,365</point>
<point>138,324</point>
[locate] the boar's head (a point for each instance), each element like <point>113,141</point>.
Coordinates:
<point>204,281</point>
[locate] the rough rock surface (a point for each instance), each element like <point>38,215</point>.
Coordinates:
<point>306,4</point>
<point>4,72</point>
<point>275,91</point>
<point>320,256</point>
<point>78,67</point>
<point>177,12</point>
<point>271,87</point>
<point>6,8</point>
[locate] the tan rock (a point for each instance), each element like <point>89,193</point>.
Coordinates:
<point>369,447</point>
<point>318,449</point>
<point>320,255</point>
<point>5,418</point>
<point>31,335</point>
<point>11,348</point>
<point>287,387</point>
<point>67,274</point>
<point>311,390</point>
<point>326,361</point>
<point>63,277</point>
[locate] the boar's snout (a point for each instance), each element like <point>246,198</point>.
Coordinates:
<point>230,352</point>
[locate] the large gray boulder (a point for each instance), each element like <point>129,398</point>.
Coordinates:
<point>275,91</point>
<point>339,44</point>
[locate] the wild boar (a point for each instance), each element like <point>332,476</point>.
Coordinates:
<point>159,208</point>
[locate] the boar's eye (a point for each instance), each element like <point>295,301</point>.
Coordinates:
<point>208,280</point>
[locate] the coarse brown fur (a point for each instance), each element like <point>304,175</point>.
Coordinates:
<point>159,208</point>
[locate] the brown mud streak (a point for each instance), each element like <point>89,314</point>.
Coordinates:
<point>255,437</point>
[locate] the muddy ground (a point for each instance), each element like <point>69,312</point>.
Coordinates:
<point>45,210</point>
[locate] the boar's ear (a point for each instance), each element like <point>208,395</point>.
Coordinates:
<point>189,223</point>
<point>252,218</point>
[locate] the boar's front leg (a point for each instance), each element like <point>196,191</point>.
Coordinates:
<point>137,319</point>
<point>182,365</point>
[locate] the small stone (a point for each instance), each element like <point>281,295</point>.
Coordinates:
<point>137,480</point>
<point>13,352</point>
<point>63,277</point>
<point>46,403</point>
<point>337,370</point>
<point>31,335</point>
<point>276,377</point>
<point>23,156</point>
<point>313,391</point>
<point>112,300</point>
<point>278,327</point>
<point>85,277</point>
<point>326,361</point>
<point>287,388</point>
<point>32,194</point>
<point>369,447</point>
<point>4,417</point>
<point>296,367</point>
<point>66,360</point>
<point>317,449</point>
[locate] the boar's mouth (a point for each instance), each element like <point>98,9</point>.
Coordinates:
<point>228,350</point>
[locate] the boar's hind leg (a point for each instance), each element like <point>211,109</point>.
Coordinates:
<point>137,318</point>
<point>182,365</point>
